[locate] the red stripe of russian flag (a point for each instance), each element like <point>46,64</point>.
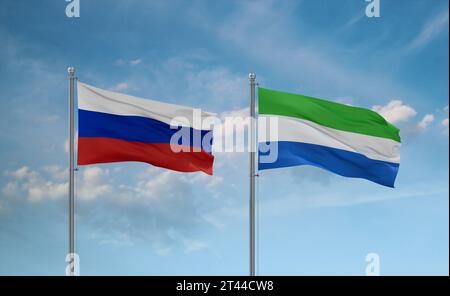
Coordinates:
<point>104,150</point>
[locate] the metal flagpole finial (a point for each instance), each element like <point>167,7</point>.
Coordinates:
<point>252,76</point>
<point>71,71</point>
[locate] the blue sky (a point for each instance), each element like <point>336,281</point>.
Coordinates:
<point>132,218</point>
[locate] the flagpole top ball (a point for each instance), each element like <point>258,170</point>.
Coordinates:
<point>71,71</point>
<point>252,76</point>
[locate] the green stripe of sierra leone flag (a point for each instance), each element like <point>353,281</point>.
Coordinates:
<point>330,114</point>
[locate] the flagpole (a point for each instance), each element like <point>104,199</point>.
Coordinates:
<point>252,77</point>
<point>71,212</point>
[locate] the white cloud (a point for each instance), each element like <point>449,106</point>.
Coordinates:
<point>444,122</point>
<point>53,184</point>
<point>426,120</point>
<point>353,21</point>
<point>395,111</point>
<point>120,239</point>
<point>10,189</point>
<point>122,62</point>
<point>91,184</point>
<point>345,100</point>
<point>215,181</point>
<point>56,172</point>
<point>153,187</point>
<point>66,143</point>
<point>216,84</point>
<point>160,205</point>
<point>34,185</point>
<point>120,86</point>
<point>430,30</point>
<point>135,62</point>
<point>21,172</point>
<point>193,245</point>
<point>162,249</point>
<point>39,190</point>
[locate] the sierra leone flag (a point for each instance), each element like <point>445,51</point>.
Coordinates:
<point>349,141</point>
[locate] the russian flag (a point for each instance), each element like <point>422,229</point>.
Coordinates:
<point>114,127</point>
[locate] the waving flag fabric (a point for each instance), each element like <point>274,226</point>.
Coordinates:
<point>114,127</point>
<point>349,141</point>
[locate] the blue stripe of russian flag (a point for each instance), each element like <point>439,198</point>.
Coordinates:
<point>132,128</point>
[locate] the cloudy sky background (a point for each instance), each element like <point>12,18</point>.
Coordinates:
<point>132,218</point>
